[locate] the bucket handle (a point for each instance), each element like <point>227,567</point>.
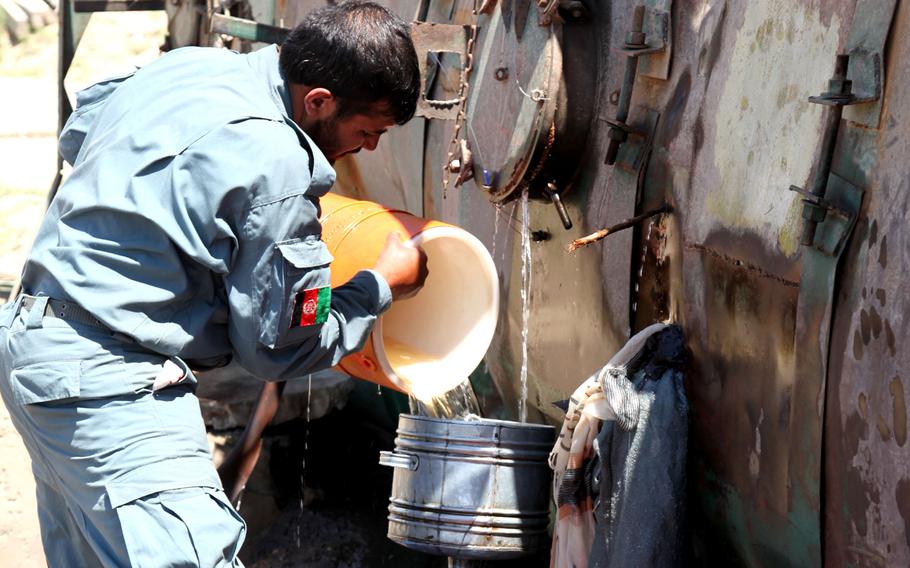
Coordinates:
<point>404,461</point>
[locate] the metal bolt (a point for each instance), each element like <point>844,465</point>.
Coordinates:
<point>840,89</point>
<point>638,18</point>
<point>839,86</point>
<point>840,66</point>
<point>501,74</point>
<point>635,39</point>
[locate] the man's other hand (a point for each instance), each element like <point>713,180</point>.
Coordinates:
<point>403,266</point>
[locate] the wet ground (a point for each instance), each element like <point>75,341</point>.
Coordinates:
<point>343,520</point>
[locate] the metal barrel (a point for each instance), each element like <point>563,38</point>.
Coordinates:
<point>470,488</point>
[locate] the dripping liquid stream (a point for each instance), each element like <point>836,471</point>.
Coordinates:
<point>525,303</point>
<point>306,435</point>
<point>641,267</point>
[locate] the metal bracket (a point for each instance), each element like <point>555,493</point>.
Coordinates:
<point>658,28</point>
<point>866,73</point>
<point>865,46</point>
<point>815,208</point>
<point>816,211</point>
<point>635,149</point>
<point>638,44</point>
<point>842,201</point>
<point>429,37</point>
<point>816,205</point>
<point>835,214</point>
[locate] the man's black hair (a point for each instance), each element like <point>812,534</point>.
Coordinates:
<point>360,52</point>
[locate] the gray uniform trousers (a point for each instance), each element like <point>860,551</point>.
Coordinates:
<point>124,480</point>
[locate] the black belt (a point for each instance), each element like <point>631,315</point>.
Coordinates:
<point>65,310</point>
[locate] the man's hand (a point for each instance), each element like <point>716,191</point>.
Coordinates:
<point>403,266</point>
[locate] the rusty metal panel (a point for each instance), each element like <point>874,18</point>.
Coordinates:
<point>734,131</point>
<point>867,481</point>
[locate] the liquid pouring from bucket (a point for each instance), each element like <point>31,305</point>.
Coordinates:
<point>428,344</point>
<point>425,345</point>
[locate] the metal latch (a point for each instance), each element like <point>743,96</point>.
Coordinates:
<point>638,44</point>
<point>838,95</point>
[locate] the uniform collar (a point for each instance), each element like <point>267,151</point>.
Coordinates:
<point>265,63</point>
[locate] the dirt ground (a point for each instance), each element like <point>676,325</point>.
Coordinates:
<point>28,154</point>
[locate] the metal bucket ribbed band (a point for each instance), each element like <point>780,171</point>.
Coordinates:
<point>471,489</point>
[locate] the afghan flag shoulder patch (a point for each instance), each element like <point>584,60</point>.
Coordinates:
<point>311,307</point>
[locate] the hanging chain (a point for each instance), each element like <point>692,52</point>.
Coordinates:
<point>462,102</point>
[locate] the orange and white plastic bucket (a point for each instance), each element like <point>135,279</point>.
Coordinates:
<point>428,344</point>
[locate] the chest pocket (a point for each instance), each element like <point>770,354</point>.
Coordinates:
<point>299,294</point>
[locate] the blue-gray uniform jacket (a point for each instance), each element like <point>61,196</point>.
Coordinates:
<point>189,224</point>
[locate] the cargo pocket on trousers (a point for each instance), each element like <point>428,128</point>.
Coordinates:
<point>299,295</point>
<point>46,382</point>
<point>192,526</point>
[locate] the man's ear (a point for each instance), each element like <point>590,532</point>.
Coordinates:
<point>319,103</point>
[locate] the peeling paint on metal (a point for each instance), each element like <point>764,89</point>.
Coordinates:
<point>783,53</point>
<point>883,430</point>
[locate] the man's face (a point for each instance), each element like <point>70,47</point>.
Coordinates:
<point>337,137</point>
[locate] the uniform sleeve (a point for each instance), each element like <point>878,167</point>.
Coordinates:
<point>284,319</point>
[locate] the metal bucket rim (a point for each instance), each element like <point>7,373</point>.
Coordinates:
<point>480,421</point>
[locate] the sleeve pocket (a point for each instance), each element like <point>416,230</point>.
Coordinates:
<point>298,293</point>
<point>46,382</point>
